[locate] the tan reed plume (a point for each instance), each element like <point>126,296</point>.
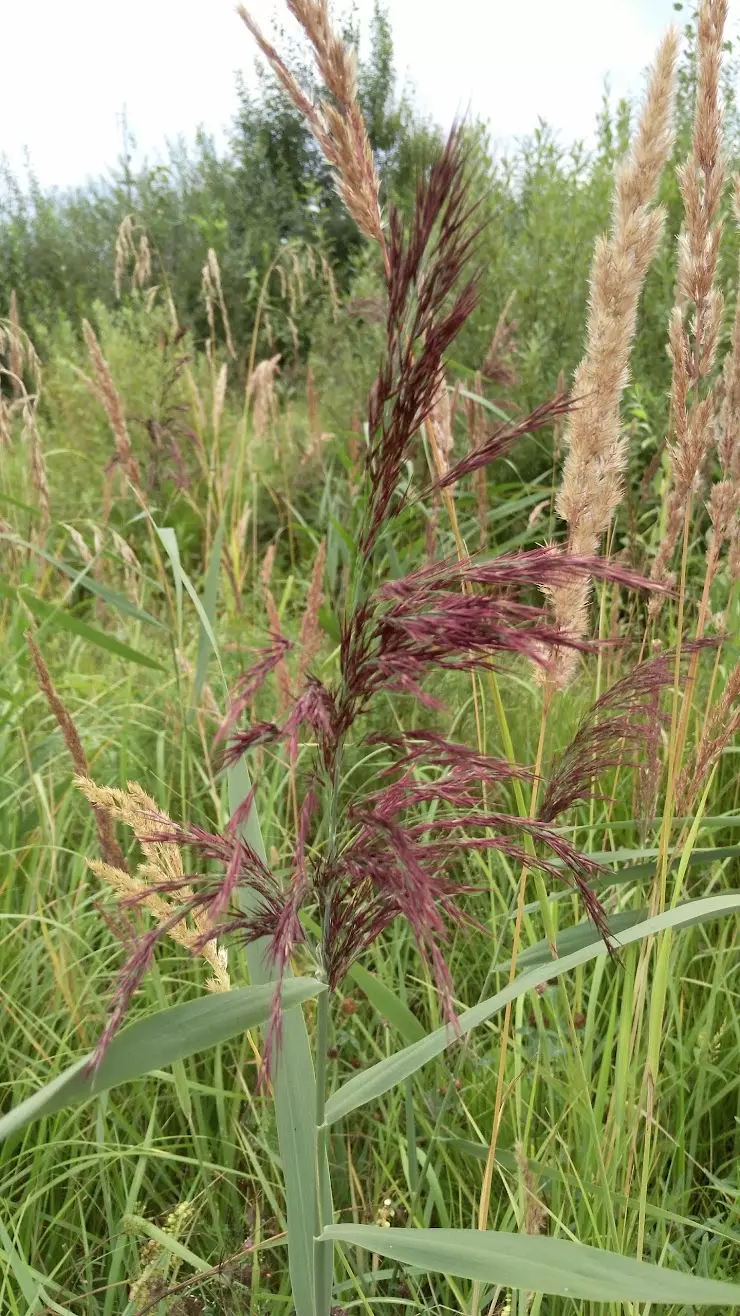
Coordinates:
<point>142,265</point>
<point>124,251</point>
<point>596,457</point>
<point>440,422</point>
<point>260,392</point>
<point>127,252</point>
<point>498,366</point>
<point>6,418</point>
<point>36,463</point>
<point>162,864</point>
<point>310,633</point>
<point>15,358</point>
<point>337,125</point>
<point>693,350</point>
<point>104,390</point>
<point>476,434</point>
<point>109,847</point>
<point>211,287</point>
<point>219,397</point>
<point>724,496</point>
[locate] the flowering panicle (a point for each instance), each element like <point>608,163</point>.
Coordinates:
<point>337,123</point>
<point>693,349</point>
<point>362,860</point>
<point>619,727</point>
<point>502,437</point>
<point>591,488</point>
<point>426,259</point>
<point>253,679</point>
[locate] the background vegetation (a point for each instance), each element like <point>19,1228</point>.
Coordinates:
<point>107,1207</point>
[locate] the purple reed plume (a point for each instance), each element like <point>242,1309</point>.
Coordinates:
<point>617,727</point>
<point>365,857</point>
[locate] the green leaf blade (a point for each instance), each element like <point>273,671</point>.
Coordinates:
<point>158,1041</point>
<point>383,1076</point>
<point>537,1264</point>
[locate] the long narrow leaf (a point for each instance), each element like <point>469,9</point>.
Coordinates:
<point>387,1004</point>
<point>158,1041</point>
<point>537,1264</point>
<point>387,1073</point>
<point>86,581</point>
<point>206,636</point>
<point>571,939</point>
<point>65,621</point>
<point>293,1088</point>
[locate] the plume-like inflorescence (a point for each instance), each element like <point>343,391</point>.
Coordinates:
<point>337,123</point>
<point>620,727</point>
<point>591,488</point>
<point>502,437</point>
<point>542,567</point>
<point>392,851</point>
<point>426,259</point>
<point>194,908</point>
<point>693,346</point>
<point>252,680</point>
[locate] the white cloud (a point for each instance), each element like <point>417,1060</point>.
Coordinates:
<point>172,64</point>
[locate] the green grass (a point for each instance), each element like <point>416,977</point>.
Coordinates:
<point>173,1173</point>
<point>84,1190</point>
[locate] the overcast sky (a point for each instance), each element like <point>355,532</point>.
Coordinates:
<point>71,68</point>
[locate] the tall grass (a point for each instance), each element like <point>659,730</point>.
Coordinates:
<point>190,523</point>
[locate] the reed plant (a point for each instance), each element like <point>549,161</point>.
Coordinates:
<point>399,843</point>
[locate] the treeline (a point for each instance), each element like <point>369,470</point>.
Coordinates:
<point>289,255</point>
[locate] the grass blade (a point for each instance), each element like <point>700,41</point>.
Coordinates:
<point>293,1089</point>
<point>388,1005</point>
<point>158,1041</point>
<point>387,1073</point>
<point>537,1264</point>
<point>65,621</point>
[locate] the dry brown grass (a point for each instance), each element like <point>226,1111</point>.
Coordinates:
<point>104,391</point>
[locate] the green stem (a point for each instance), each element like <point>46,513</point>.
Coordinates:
<point>323,1252</point>
<point>411,1139</point>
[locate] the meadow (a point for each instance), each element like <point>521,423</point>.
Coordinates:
<point>369,624</point>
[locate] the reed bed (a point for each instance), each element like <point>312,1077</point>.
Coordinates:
<point>368,904</point>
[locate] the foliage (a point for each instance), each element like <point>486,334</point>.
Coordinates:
<point>231,571</point>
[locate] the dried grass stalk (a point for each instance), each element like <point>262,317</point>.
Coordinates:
<point>310,633</point>
<point>109,847</point>
<point>596,457</point>
<point>212,289</point>
<point>219,397</point>
<point>693,350</point>
<point>36,463</point>
<point>337,125</point>
<point>105,391</point>
<point>260,392</point>
<point>720,729</point>
<point>15,360</point>
<point>129,253</point>
<point>440,421</point>
<point>724,497</point>
<point>124,251</point>
<point>162,864</point>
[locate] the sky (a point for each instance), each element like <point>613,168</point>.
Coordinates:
<point>170,64</point>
